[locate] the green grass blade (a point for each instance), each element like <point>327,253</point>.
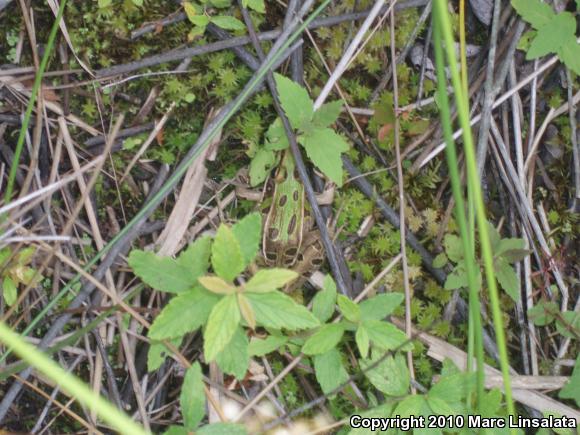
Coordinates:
<point>68,382</point>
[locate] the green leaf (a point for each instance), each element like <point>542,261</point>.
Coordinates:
<point>552,35</point>
<point>380,306</point>
<point>261,165</point>
<point>222,429</point>
<point>440,260</point>
<point>327,337</point>
<point>535,12</point>
<point>390,376</point>
<point>158,352</point>
<point>440,407</point>
<point>221,326</point>
<point>571,389</point>
<point>246,310</point>
<point>235,359</point>
<point>257,5</point>
<point>276,310</point>
<point>324,301</point>
<point>192,398</point>
<point>348,308</point>
<point>453,247</point>
<point>221,3</point>
<point>542,314</point>
<point>385,335</point>
<point>196,256</point>
<point>295,101</point>
<point>569,53</point>
<point>457,278</point>
<point>248,232</point>
<point>569,324</point>
<point>162,273</point>
<point>216,285</point>
<point>327,113</point>
<point>509,244</point>
<point>259,347</point>
<point>362,341</point>
<point>189,11</point>
<point>276,138</point>
<point>329,370</point>
<point>226,254</point>
<point>184,313</point>
<point>267,280</point>
<point>176,430</point>
<point>324,147</point>
<point>507,278</point>
<point>201,22</point>
<point>9,291</point>
<point>452,388</point>
<point>228,23</point>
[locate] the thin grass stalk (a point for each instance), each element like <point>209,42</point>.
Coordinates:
<point>196,150</point>
<point>31,103</point>
<point>443,23</point>
<point>69,383</point>
<point>475,342</point>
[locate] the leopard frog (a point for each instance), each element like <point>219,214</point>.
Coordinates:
<point>290,239</point>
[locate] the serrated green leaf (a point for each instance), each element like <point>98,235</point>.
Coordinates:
<point>362,341</point>
<point>535,12</point>
<point>261,165</point>
<point>196,256</point>
<point>453,247</point>
<point>276,310</point>
<point>329,370</point>
<point>571,389</point>
<point>385,335</point>
<point>452,388</point>
<point>327,337</point>
<point>568,324</point>
<point>226,254</point>
<point>324,301</point>
<point>216,285</point>
<point>457,278</point>
<point>259,347</point>
<point>246,310</point>
<point>349,309</point>
<point>327,114</point>
<point>222,429</point>
<point>324,147</point>
<point>158,352</point>
<point>509,244</point>
<point>184,313</point>
<point>221,326</point>
<point>9,291</point>
<point>440,407</point>
<point>542,313</point>
<point>276,138</point>
<point>257,5</point>
<point>507,278</point>
<point>162,273</point>
<point>228,23</point>
<point>380,306</point>
<point>235,359</point>
<point>248,232</point>
<point>295,101</point>
<point>552,35</point>
<point>267,280</point>
<point>390,376</point>
<point>192,398</point>
<point>569,53</point>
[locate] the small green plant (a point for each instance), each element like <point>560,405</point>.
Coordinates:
<point>199,15</point>
<point>505,252</point>
<point>322,144</point>
<point>15,270</point>
<point>556,33</point>
<point>214,302</point>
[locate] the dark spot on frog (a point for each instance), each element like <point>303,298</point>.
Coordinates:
<point>273,234</point>
<point>291,252</point>
<point>283,201</point>
<point>292,225</point>
<point>317,262</point>
<point>295,196</point>
<point>271,256</point>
